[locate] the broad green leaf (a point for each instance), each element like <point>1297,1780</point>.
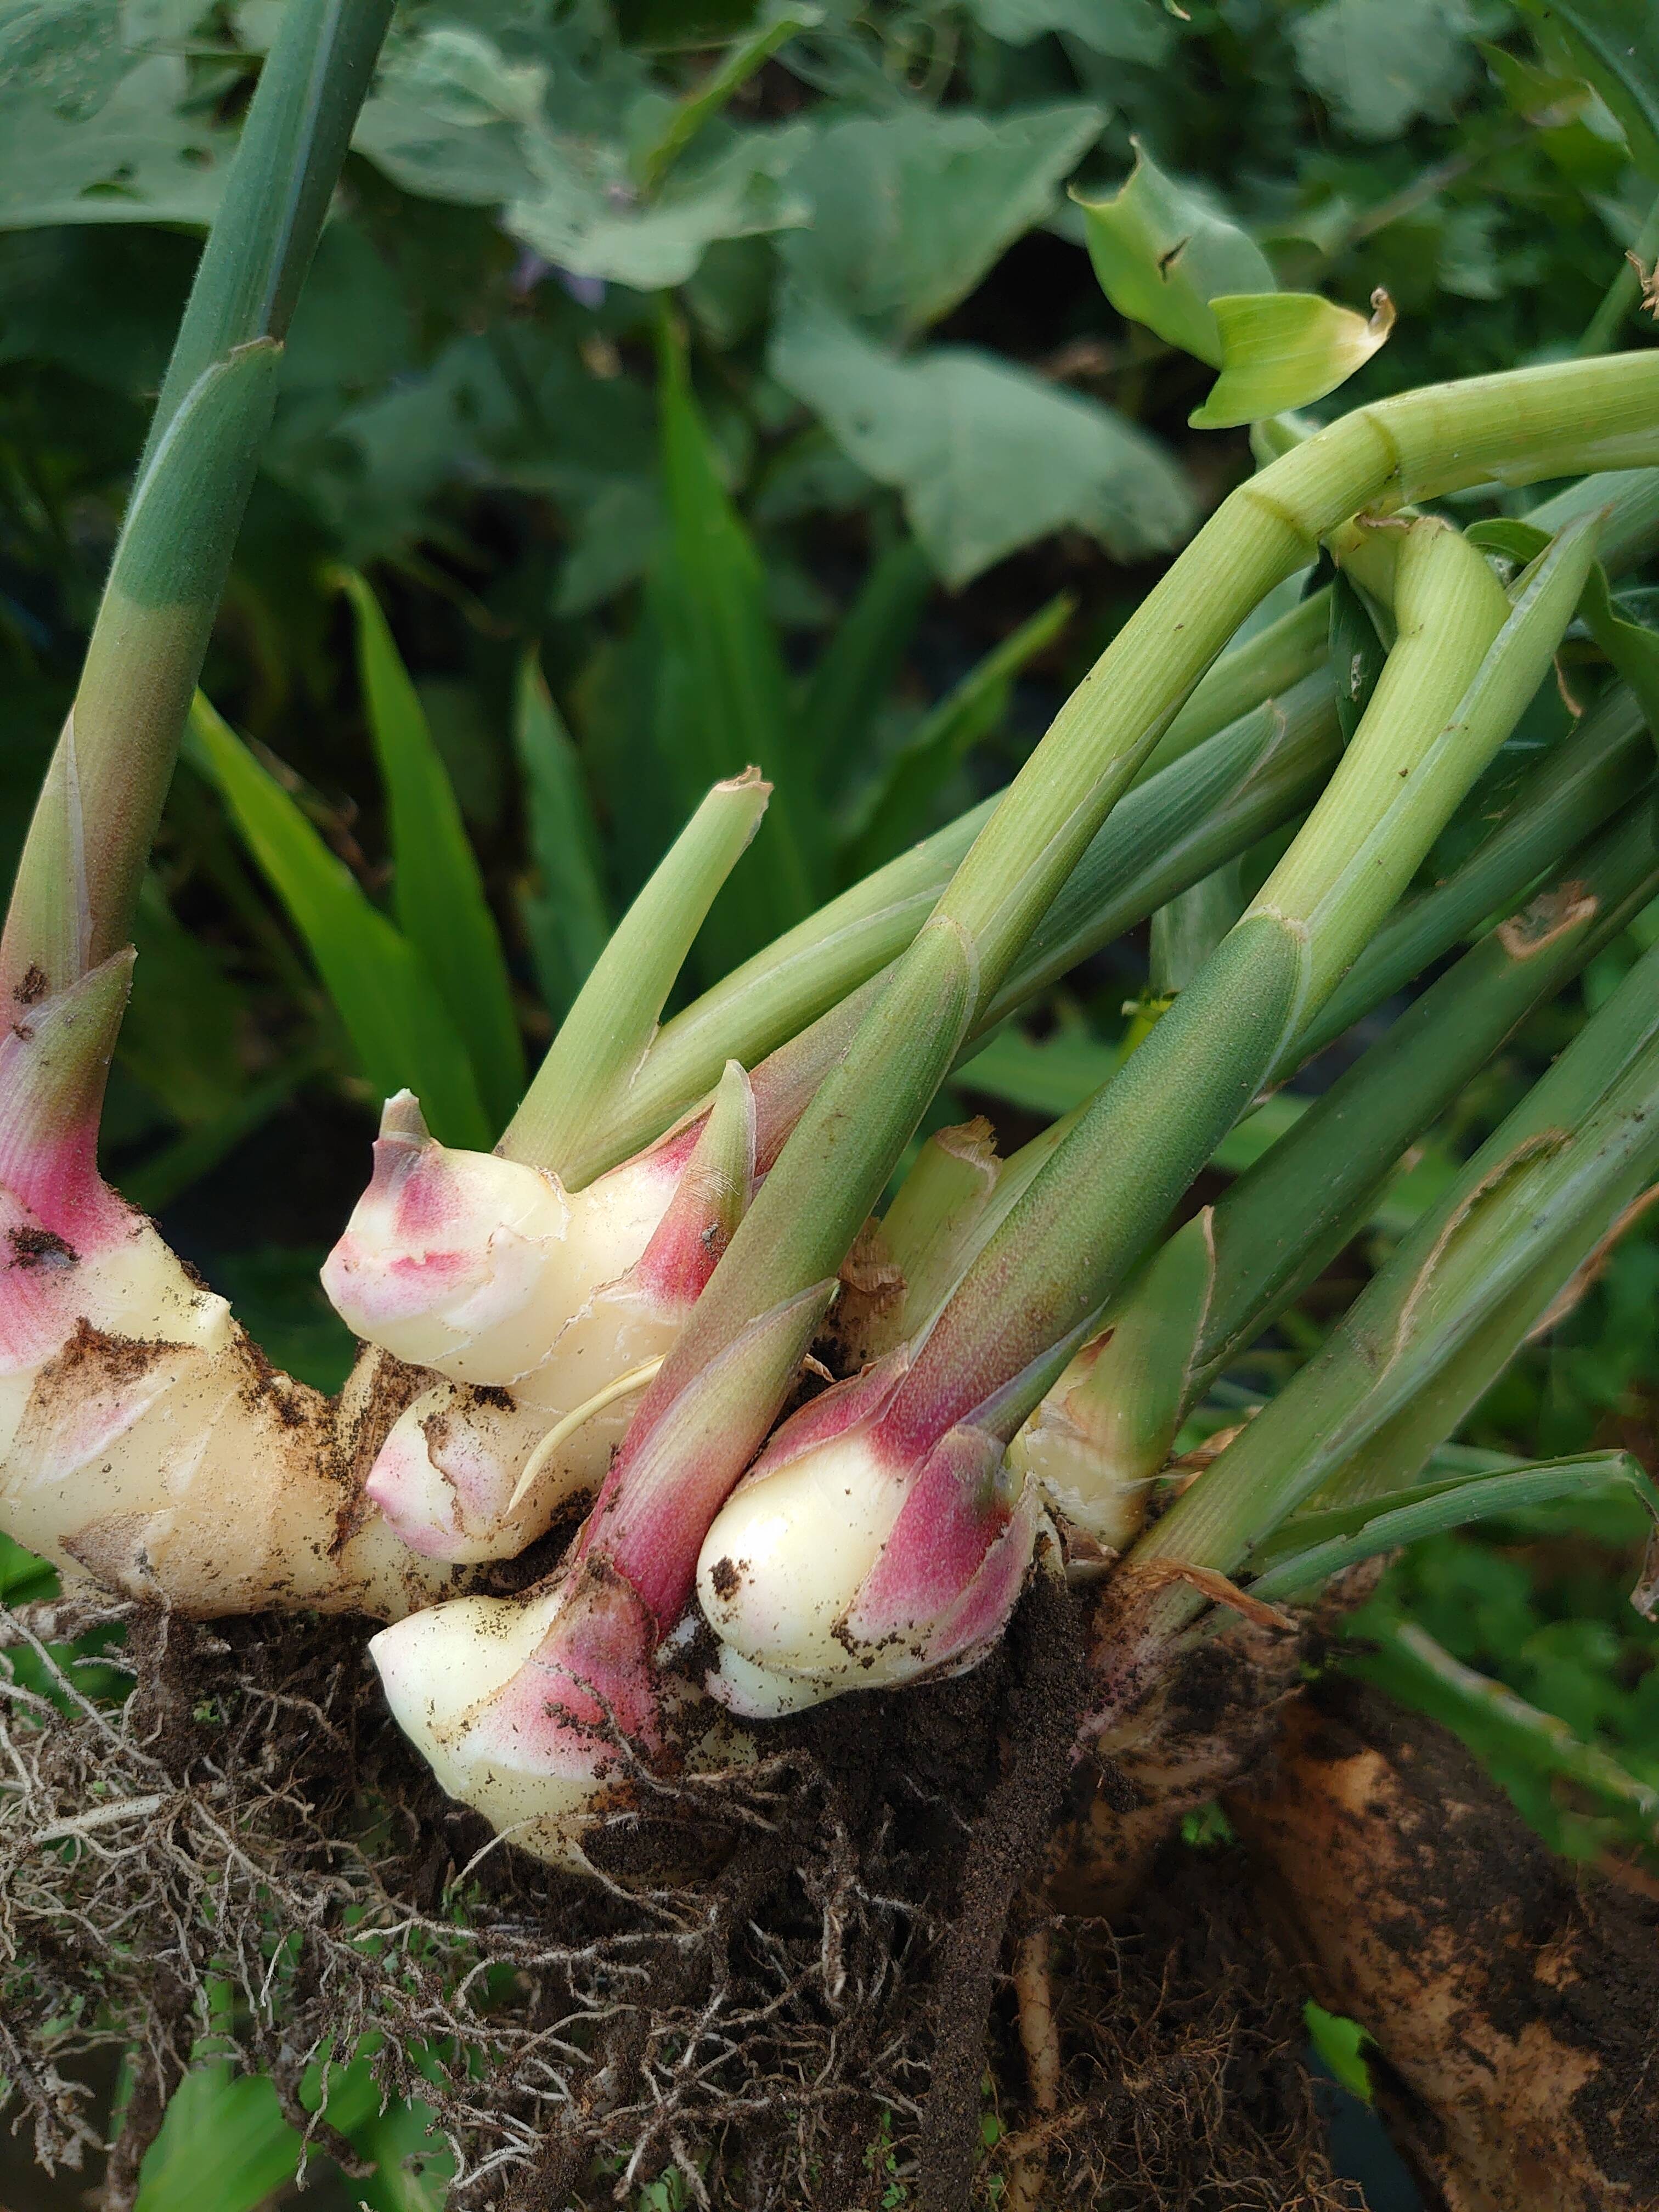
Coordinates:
<point>448,117</point>
<point>777,25</point>
<point>140,156</point>
<point>1381,63</point>
<point>224,2144</point>
<point>398,1024</point>
<point>988,456</point>
<point>567,917</point>
<point>1162,253</point>
<point>723,703</point>
<point>1616,43</point>
<point>437,892</point>
<point>910,208</point>
<point>731,184</point>
<point>1282,350</point>
<point>1123,30</point>
<point>901,809</point>
<point>552,141</point>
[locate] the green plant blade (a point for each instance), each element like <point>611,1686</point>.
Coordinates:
<point>438,894</point>
<point>729,708</point>
<point>596,1056</point>
<point>1281,350</point>
<point>896,810</point>
<point>854,673</point>
<point>1314,1547</point>
<point>567,913</point>
<point>1617,45</point>
<point>1403,1659</point>
<point>398,1024</point>
<point>1162,253</point>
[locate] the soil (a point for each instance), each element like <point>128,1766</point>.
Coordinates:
<point>787,1981</point>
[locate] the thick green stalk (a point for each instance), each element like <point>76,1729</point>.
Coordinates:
<point>1224,1277</point>
<point>1558,420</point>
<point>1168,832</point>
<point>1601,766</point>
<point>79,877</point>
<point>1455,684</point>
<point>1533,1204</point>
<point>776,993</point>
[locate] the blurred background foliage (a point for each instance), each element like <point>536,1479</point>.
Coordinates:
<point>682,383</point>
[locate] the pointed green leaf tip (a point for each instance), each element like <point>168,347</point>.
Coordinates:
<point>1284,349</point>
<point>1162,254</point>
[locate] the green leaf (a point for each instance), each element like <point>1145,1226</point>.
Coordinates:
<point>1162,252</point>
<point>554,142</point>
<point>853,674</point>
<point>732,184</point>
<point>899,810</point>
<point>1381,63</point>
<point>397,1021</point>
<point>988,457</point>
<point>778,24</point>
<point>910,208</point>
<point>224,2146</point>
<point>1282,350</point>
<point>723,700</point>
<point>1616,43</point>
<point>139,155</point>
<point>1123,30</point>
<point>437,890</point>
<point>1313,1547</point>
<point>1340,2044</point>
<point>566,916</point>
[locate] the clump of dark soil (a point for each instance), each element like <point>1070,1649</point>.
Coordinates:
<point>784,1982</point>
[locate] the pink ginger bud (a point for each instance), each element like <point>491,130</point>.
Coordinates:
<point>517,1703</point>
<point>541,1710</point>
<point>451,1478</point>
<point>851,1556</point>
<point>473,1264</point>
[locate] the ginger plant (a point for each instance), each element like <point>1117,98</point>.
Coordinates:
<point>626,1305</point>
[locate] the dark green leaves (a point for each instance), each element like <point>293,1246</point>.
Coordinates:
<point>987,457</point>
<point>1616,44</point>
<point>437,893</point>
<point>566,916</point>
<point>388,1000</point>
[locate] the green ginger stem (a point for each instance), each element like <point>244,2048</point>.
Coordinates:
<point>90,837</point>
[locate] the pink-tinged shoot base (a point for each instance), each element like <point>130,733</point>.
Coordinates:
<point>839,1563</point>
<point>472,1264</point>
<point>448,1476</point>
<point>539,1711</point>
<point>144,1443</point>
